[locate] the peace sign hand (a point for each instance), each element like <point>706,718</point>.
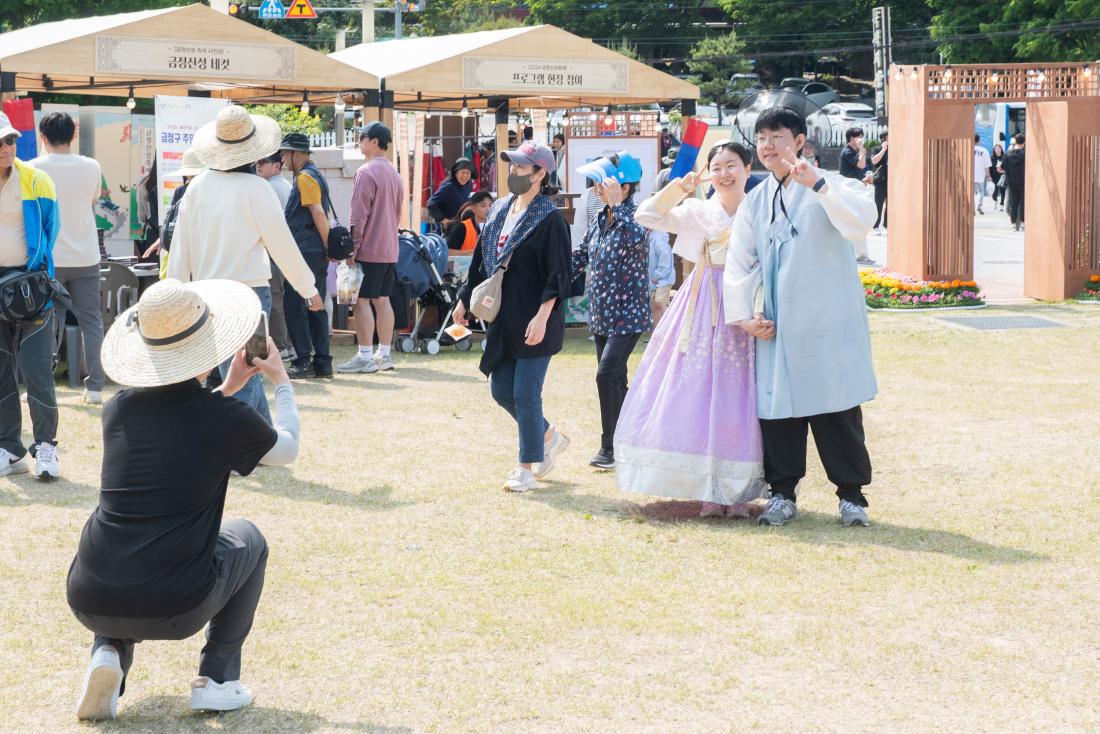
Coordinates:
<point>692,181</point>
<point>800,170</point>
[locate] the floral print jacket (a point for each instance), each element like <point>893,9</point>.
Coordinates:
<point>615,256</point>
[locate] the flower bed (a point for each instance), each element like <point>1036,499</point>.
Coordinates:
<point>1092,290</point>
<point>886,289</point>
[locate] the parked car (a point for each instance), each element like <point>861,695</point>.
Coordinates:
<point>847,113</point>
<point>819,93</point>
<point>740,86</point>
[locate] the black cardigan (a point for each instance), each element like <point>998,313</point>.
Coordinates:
<point>540,270</point>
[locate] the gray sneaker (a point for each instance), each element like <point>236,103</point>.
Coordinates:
<point>778,511</point>
<point>853,514</point>
<point>385,364</point>
<point>358,364</point>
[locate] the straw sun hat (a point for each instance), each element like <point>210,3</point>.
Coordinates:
<point>178,331</point>
<point>189,166</point>
<point>236,138</point>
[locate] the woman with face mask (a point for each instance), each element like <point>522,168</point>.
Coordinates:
<point>444,204</point>
<point>688,428</point>
<point>526,235</point>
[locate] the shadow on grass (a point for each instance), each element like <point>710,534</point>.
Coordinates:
<point>811,528</point>
<point>174,714</point>
<point>24,489</point>
<point>815,528</point>
<point>278,481</point>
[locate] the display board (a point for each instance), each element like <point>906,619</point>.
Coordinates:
<point>178,119</point>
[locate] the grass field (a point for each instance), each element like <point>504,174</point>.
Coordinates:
<point>406,593</point>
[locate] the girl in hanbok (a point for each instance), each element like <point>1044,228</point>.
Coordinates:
<point>689,428</point>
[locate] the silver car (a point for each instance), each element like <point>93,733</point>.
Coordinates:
<point>819,93</point>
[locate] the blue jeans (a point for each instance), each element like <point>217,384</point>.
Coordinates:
<point>517,387</point>
<point>253,392</point>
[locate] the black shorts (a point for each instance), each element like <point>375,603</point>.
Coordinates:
<point>378,279</point>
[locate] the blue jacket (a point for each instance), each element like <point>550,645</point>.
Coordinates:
<point>41,217</point>
<point>616,256</point>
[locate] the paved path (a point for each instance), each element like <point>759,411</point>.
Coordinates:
<point>998,256</point>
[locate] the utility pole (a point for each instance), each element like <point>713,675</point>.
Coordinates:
<point>368,21</point>
<point>397,7</point>
<point>882,39</point>
<point>341,39</point>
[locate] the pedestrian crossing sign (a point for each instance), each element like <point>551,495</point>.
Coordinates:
<point>300,9</point>
<point>272,10</point>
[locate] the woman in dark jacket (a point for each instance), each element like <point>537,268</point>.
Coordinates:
<point>464,231</point>
<point>998,178</point>
<point>530,327</point>
<point>444,204</point>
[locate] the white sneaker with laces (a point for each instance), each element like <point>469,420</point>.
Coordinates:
<point>93,397</point>
<point>520,480</point>
<point>11,465</point>
<point>558,442</point>
<point>102,681</point>
<point>358,364</point>
<point>46,465</point>
<point>206,695</point>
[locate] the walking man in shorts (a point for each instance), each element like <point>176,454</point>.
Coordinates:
<point>376,203</point>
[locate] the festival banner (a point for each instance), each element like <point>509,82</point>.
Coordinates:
<point>178,119</point>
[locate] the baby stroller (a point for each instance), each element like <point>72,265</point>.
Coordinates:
<point>421,273</point>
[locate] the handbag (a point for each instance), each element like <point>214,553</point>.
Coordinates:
<point>340,245</point>
<point>485,298</point>
<point>24,294</point>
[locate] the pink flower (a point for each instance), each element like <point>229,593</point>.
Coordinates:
<point>924,299</point>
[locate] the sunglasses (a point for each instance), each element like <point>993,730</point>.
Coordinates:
<point>9,139</point>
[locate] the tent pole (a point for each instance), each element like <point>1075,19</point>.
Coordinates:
<point>502,114</point>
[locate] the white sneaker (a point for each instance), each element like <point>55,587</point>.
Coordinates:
<point>385,364</point>
<point>358,365</point>
<point>99,697</point>
<point>558,442</point>
<point>520,480</point>
<point>11,465</point>
<point>93,397</point>
<point>46,466</point>
<point>206,695</point>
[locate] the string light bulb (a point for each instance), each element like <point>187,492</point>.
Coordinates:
<point>465,109</point>
<point>1042,77</point>
<point>994,78</point>
<point>305,103</point>
<point>608,118</point>
<point>1088,71</point>
<point>947,73</point>
<point>339,105</point>
<point>428,114</point>
<point>897,74</point>
<point>131,103</point>
<point>914,74</point>
<point>565,119</point>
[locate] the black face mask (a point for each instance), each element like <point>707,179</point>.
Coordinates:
<point>518,184</point>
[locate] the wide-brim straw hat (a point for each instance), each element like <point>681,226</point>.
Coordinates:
<point>178,330</point>
<point>189,166</point>
<point>235,139</point>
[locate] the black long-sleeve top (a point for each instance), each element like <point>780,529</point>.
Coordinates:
<point>538,272</point>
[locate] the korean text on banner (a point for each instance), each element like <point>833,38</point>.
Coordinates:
<point>178,119</point>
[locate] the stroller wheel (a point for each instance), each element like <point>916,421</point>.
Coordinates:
<point>406,345</point>
<point>429,346</point>
<point>463,345</point>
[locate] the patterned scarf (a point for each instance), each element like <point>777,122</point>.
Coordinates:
<point>539,209</point>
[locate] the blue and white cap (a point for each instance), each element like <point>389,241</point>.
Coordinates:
<point>629,169</point>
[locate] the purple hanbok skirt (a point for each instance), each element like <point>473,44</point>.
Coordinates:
<point>689,428</point>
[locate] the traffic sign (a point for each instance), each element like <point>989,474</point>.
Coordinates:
<point>272,10</point>
<point>300,9</point>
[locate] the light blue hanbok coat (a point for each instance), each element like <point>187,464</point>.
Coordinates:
<point>799,269</point>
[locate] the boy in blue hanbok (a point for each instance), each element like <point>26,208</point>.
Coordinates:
<point>797,290</point>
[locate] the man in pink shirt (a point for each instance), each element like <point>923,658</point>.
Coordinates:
<point>376,203</point>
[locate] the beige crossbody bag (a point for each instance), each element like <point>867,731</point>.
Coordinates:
<point>485,299</point>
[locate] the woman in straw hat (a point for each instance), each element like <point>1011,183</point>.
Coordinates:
<point>230,220</point>
<point>155,560</point>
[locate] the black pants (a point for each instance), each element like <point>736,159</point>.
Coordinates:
<point>308,330</point>
<point>999,194</point>
<point>880,202</point>
<point>240,560</point>
<point>840,443</point>
<point>612,353</point>
<point>1016,205</point>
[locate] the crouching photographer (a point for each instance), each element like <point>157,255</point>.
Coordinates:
<point>155,560</point>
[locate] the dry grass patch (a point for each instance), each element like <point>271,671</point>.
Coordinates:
<point>406,593</point>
